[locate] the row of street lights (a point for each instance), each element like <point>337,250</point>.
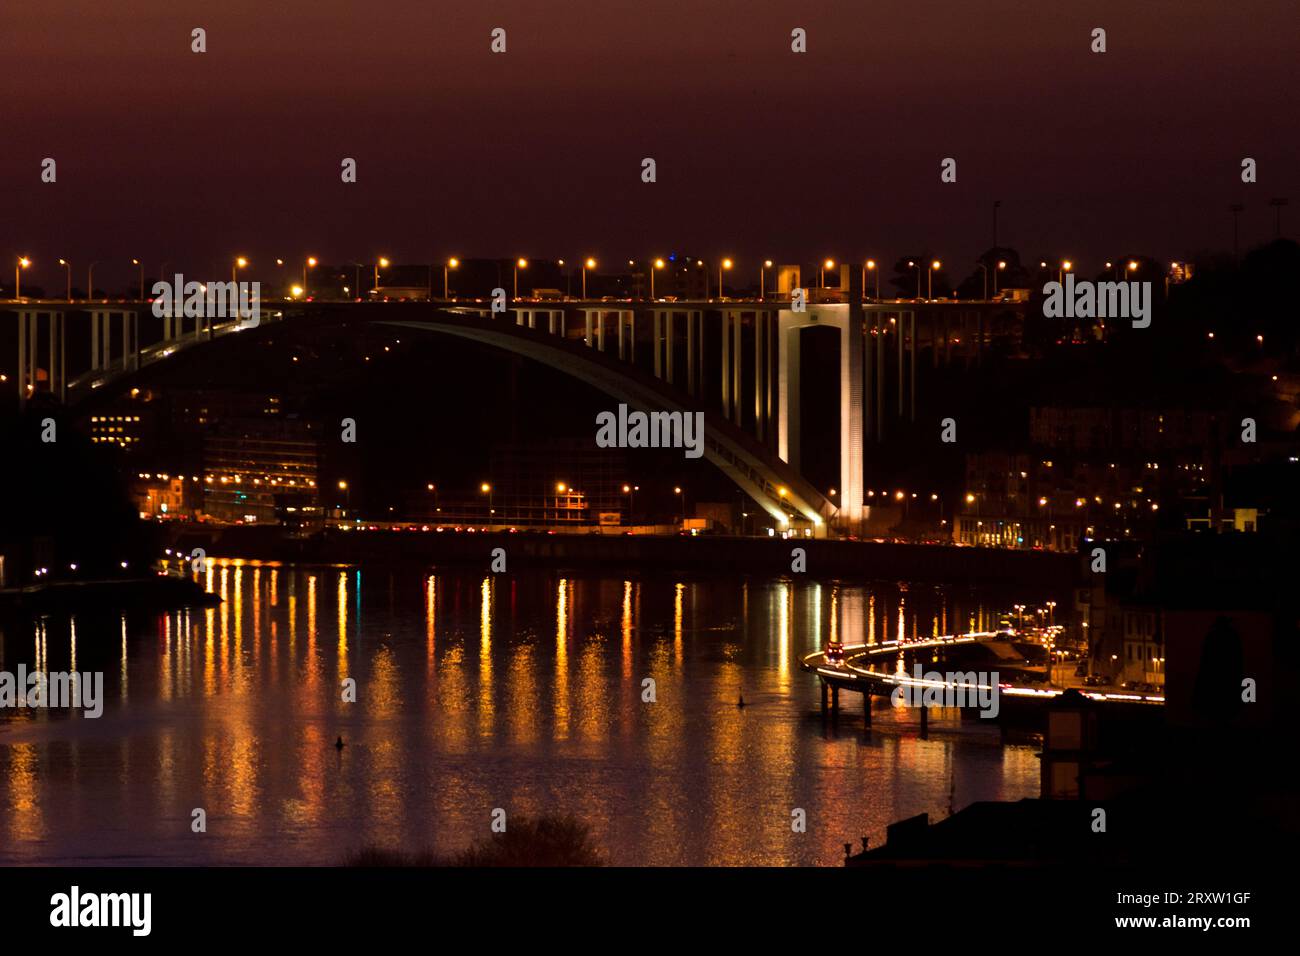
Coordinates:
<point>561,488</point>
<point>725,265</point>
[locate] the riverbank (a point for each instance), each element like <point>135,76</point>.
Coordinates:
<point>147,593</point>
<point>706,553</point>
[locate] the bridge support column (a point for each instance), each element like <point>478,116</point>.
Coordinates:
<point>825,696</point>
<point>732,356</point>
<point>760,373</point>
<point>902,334</point>
<point>692,358</point>
<point>868,368</point>
<point>600,330</point>
<point>848,321</point>
<point>788,393</point>
<point>913,375</point>
<point>58,356</point>
<point>101,336</point>
<point>130,341</point>
<point>866,707</point>
<point>586,317</point>
<point>668,347</point>
<point>737,407</point>
<point>26,359</point>
<point>724,375</point>
<point>29,323</point>
<point>655,336</point>
<point>880,380</point>
<point>925,720</point>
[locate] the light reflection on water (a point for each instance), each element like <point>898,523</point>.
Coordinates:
<point>520,691</point>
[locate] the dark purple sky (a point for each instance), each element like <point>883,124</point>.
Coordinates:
<point>190,158</point>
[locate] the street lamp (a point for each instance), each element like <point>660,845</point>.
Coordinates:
<point>67,268</point>
<point>657,264</point>
<point>724,264</point>
<point>239,263</point>
<point>90,280</point>
<point>870,266</point>
<point>678,490</point>
<point>588,263</point>
<point>297,291</point>
<point>929,278</point>
<point>1002,264</point>
<point>381,264</point>
<point>452,263</point>
<point>630,491</point>
<point>137,262</point>
<point>520,263</point>
<point>912,264</point>
<point>347,490</point>
<point>1066,266</point>
<point>762,279</point>
<point>23,263</point>
<point>486,489</point>
<point>310,263</point>
<point>828,264</point>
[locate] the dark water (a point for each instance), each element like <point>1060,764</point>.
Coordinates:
<point>521,692</point>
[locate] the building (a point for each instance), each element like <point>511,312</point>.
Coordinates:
<point>166,496</point>
<point>254,468</point>
<point>126,430</point>
<point>558,483</point>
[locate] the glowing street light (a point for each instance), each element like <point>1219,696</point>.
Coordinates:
<point>724,264</point>
<point>297,291</point>
<point>239,263</point>
<point>870,266</point>
<point>520,263</point>
<point>486,489</point>
<point>762,278</point>
<point>935,266</point>
<point>828,264</point>
<point>140,265</point>
<point>657,264</point>
<point>310,263</point>
<point>588,263</point>
<point>381,264</point>
<point>452,263</point>
<point>23,263</point>
<point>68,268</point>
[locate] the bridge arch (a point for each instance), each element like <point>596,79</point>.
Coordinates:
<point>776,486</point>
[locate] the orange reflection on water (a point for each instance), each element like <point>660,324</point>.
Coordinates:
<point>562,659</point>
<point>626,629</point>
<point>486,701</point>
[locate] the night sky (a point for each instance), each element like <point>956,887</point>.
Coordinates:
<point>189,158</point>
